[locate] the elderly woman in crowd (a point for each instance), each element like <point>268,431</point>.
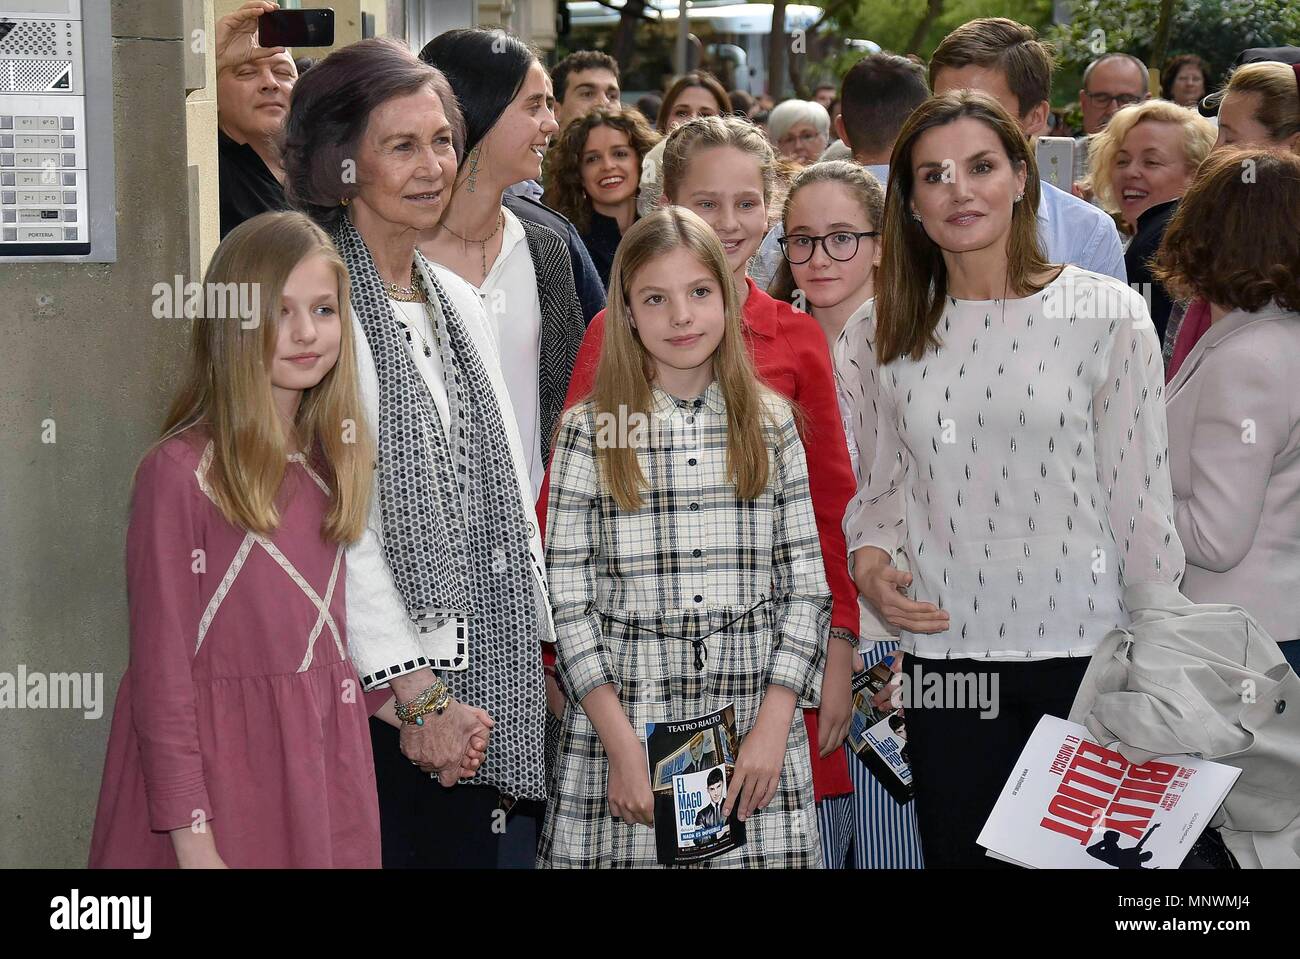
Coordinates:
<point>1259,107</point>
<point>1141,163</point>
<point>800,130</point>
<point>1234,423</point>
<point>446,595</point>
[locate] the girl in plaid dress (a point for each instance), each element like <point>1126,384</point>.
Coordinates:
<point>685,566</point>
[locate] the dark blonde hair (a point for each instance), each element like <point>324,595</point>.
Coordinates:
<point>696,78</point>
<point>1235,239</point>
<point>626,369</point>
<point>866,189</point>
<point>705,133</point>
<point>913,280</point>
<point>1279,96</point>
<point>564,190</point>
<point>227,388</point>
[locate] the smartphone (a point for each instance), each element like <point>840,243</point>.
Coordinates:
<point>1056,161</point>
<point>296,28</point>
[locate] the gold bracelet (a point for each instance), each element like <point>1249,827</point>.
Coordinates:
<point>431,700</point>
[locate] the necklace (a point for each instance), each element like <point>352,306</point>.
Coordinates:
<point>482,244</point>
<point>412,294</point>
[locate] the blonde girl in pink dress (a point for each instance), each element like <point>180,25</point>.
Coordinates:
<point>240,733</point>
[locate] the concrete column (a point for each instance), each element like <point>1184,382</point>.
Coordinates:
<point>87,373</point>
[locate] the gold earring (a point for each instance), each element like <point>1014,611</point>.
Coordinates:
<point>344,202</point>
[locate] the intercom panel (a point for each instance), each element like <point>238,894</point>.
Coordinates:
<point>45,189</point>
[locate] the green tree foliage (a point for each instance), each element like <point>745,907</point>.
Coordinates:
<point>892,23</point>
<point>1215,30</point>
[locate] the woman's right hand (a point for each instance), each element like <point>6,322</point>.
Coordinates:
<point>630,798</point>
<point>882,586</point>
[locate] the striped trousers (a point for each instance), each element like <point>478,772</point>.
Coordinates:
<point>869,826</point>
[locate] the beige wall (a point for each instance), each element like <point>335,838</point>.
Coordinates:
<point>82,349</point>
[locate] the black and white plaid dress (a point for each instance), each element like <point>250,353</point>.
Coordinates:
<point>667,603</point>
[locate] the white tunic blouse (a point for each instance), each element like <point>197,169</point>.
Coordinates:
<point>1023,467</point>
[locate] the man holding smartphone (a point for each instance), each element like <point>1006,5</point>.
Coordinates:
<point>253,88</point>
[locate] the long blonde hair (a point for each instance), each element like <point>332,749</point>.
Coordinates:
<point>227,387</point>
<point>623,376</point>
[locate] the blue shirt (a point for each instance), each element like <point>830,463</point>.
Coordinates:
<point>1074,231</point>
<point>1071,230</point>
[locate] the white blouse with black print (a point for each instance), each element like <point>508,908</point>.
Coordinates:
<point>1023,467</point>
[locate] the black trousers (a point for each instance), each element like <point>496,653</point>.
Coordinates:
<point>960,760</point>
<point>424,825</point>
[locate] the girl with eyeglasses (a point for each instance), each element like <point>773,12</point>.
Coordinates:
<point>832,219</point>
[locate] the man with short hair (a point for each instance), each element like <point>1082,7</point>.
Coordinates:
<point>876,97</point>
<point>585,80</point>
<point>253,88</point>
<point>1110,83</point>
<point>825,95</point>
<point>1007,61</point>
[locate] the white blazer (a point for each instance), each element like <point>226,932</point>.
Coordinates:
<point>383,639</point>
<point>1234,459</point>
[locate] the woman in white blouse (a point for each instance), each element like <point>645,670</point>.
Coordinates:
<point>1013,444</point>
<point>1234,407</point>
<point>520,270</point>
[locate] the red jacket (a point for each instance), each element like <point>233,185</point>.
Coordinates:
<point>792,358</point>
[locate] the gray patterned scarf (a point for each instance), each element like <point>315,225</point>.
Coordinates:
<point>455,532</point>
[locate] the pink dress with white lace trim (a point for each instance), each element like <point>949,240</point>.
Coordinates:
<point>240,710</point>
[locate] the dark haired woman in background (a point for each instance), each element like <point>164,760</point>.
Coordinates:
<point>593,176</point>
<point>447,576</point>
<point>696,94</point>
<point>1185,80</point>
<point>1018,427</point>
<point>521,271</point>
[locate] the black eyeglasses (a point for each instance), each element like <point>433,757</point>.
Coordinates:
<point>1103,99</point>
<point>839,246</point>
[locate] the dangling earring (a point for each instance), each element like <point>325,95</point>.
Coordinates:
<point>471,181</point>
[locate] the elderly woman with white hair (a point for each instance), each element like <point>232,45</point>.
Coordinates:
<point>800,129</point>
